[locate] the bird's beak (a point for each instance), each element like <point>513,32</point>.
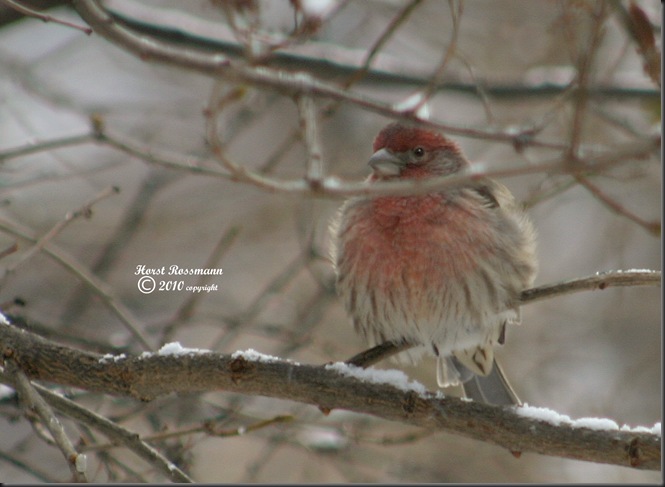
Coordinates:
<point>385,163</point>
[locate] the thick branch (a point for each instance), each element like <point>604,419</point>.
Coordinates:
<point>153,375</point>
<point>214,64</point>
<point>337,62</point>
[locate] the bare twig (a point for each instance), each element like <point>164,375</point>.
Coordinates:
<point>541,195</point>
<point>337,62</point>
<point>98,287</point>
<point>44,146</point>
<point>600,281</point>
<point>290,271</point>
<point>10,249</point>
<point>639,28</point>
<point>653,227</point>
<point>385,36</point>
<point>29,469</point>
<point>32,401</point>
<point>584,64</point>
<point>309,127</point>
<point>331,186</point>
<point>150,49</point>
<point>185,310</point>
<point>402,439</point>
<point>455,15</point>
<point>114,432</point>
<point>480,88</point>
<point>208,427</point>
<point>84,211</point>
<point>19,7</point>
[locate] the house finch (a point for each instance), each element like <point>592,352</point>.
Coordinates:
<point>442,271</point>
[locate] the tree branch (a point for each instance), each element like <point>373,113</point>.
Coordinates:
<point>338,62</point>
<point>100,288</point>
<point>115,433</point>
<point>44,17</point>
<point>331,186</point>
<point>151,375</point>
<point>33,402</point>
<point>290,83</point>
<point>602,280</point>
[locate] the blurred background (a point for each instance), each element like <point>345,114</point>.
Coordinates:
<point>509,65</point>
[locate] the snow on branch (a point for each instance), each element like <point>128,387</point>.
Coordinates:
<point>384,394</point>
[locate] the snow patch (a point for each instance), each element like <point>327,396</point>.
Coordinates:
<point>416,102</point>
<point>620,271</point>
<point>6,391</point>
<point>109,357</point>
<point>322,439</point>
<point>595,424</point>
<point>600,424</point>
<point>317,8</point>
<point>395,378</point>
<point>174,348</point>
<point>252,355</point>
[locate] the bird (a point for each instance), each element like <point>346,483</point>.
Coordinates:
<point>440,271</point>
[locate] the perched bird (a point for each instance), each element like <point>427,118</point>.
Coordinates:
<point>443,270</point>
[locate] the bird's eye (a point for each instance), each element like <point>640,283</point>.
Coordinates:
<point>418,152</point>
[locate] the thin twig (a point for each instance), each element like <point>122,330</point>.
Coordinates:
<point>151,155</point>
<point>10,249</point>
<point>84,211</point>
<point>455,15</point>
<point>333,187</point>
<point>544,194</point>
<point>207,427</point>
<point>480,88</point>
<point>98,287</point>
<point>584,64</point>
<point>385,36</point>
<point>46,18</point>
<point>186,309</point>
<point>114,432</point>
<point>639,28</point>
<point>44,146</point>
<point>32,401</point>
<point>600,281</point>
<point>283,81</point>
<point>653,227</point>
<point>309,127</point>
<point>29,469</point>
<point>338,62</point>
<point>245,319</point>
<point>394,440</point>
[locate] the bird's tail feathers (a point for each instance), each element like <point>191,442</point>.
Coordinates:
<point>493,388</point>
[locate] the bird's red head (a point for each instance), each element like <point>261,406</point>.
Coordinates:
<point>411,152</point>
